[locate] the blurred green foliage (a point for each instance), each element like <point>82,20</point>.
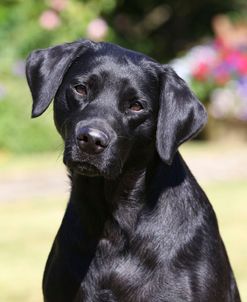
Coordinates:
<point>17,132</point>
<point>160,28</point>
<point>20,32</point>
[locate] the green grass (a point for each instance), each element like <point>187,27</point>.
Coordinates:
<point>230,203</point>
<point>28,229</point>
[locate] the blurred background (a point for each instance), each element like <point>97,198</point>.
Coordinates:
<point>205,42</point>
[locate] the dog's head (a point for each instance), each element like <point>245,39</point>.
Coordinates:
<point>112,105</point>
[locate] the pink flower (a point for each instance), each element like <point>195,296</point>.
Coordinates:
<point>238,61</point>
<point>58,5</point>
<point>49,20</point>
<point>242,64</point>
<point>222,77</point>
<point>2,91</point>
<point>97,29</point>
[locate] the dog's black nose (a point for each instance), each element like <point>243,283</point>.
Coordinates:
<point>91,140</point>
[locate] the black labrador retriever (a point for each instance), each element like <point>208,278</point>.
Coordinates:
<point>137,227</point>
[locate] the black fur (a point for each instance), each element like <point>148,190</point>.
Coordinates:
<point>137,227</point>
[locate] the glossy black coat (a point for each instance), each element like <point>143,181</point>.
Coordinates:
<point>137,227</point>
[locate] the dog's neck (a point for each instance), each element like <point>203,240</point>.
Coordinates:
<point>98,200</point>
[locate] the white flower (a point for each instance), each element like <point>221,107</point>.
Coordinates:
<point>222,103</point>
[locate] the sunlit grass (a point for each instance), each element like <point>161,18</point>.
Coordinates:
<point>230,203</point>
<point>32,162</point>
<point>27,231</point>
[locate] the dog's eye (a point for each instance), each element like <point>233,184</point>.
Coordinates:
<point>81,90</point>
<point>136,106</point>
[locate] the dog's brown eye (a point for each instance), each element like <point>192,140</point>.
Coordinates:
<point>136,106</point>
<point>81,90</point>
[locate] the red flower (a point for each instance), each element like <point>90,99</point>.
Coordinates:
<point>201,72</point>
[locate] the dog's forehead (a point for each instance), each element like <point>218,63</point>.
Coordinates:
<point>115,62</point>
<point>121,54</point>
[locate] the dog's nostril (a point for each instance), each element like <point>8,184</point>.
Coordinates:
<point>92,141</point>
<point>99,143</point>
<point>84,138</point>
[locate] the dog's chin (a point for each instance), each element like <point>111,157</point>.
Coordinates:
<point>84,168</point>
<point>90,170</point>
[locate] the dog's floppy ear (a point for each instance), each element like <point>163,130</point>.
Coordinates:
<point>181,116</point>
<point>45,69</point>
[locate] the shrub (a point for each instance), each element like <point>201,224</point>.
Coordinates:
<point>18,133</point>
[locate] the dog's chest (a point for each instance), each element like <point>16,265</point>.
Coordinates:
<point>122,270</point>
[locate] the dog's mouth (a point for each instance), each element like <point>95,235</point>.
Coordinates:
<point>92,166</point>
<point>87,169</point>
<point>84,168</point>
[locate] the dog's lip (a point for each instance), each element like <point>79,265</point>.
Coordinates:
<point>83,167</point>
